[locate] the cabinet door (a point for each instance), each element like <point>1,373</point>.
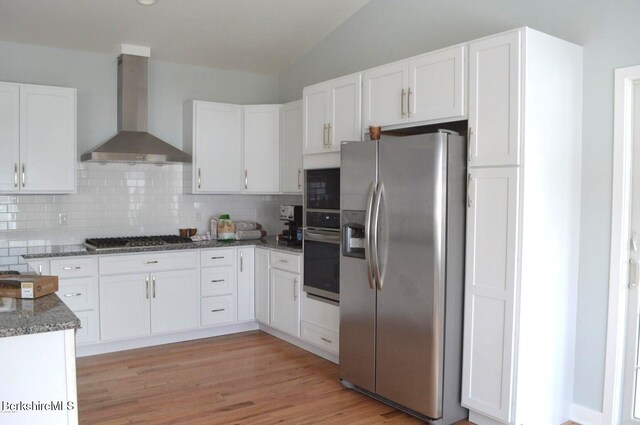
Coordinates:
<point>175,300</point>
<point>217,147</point>
<point>124,306</point>
<point>437,85</point>
<point>47,139</point>
<point>385,95</point>
<point>262,148</point>
<point>315,112</point>
<point>246,301</point>
<point>494,100</point>
<point>491,273</point>
<point>262,285</point>
<point>291,148</point>
<point>285,304</point>
<point>9,137</point>
<point>345,106</point>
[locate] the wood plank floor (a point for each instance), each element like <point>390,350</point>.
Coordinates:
<point>248,378</point>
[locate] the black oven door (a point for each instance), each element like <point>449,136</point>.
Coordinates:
<point>323,189</point>
<point>322,264</point>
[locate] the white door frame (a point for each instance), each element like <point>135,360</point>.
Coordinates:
<point>620,225</point>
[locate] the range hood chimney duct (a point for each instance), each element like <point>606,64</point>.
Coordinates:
<point>133,143</point>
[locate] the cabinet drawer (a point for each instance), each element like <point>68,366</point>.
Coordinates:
<point>320,337</point>
<point>73,267</point>
<point>79,293</point>
<point>217,257</point>
<point>218,281</point>
<point>287,262</point>
<point>89,330</point>
<point>147,262</point>
<point>218,310</point>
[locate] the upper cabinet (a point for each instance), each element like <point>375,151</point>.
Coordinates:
<point>262,148</point>
<point>37,138</point>
<point>213,136</point>
<point>291,148</point>
<point>426,88</point>
<point>494,100</point>
<point>331,114</point>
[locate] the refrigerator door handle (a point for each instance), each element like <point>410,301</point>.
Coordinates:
<point>374,241</point>
<point>367,234</point>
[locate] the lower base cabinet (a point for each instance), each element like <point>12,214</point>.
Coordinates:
<point>219,310</point>
<point>285,303</point>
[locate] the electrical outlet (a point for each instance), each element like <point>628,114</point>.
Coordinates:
<point>198,215</point>
<point>62,219</point>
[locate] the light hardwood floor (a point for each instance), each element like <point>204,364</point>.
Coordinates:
<point>248,378</point>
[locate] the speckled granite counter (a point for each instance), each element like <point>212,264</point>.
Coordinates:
<point>45,314</point>
<point>79,250</point>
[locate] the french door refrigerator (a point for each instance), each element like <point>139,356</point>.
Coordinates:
<point>402,270</point>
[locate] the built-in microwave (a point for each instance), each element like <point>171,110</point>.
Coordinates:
<point>322,189</point>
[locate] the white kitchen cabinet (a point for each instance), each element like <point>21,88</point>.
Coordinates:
<point>124,306</point>
<point>213,137</point>
<point>425,88</point>
<point>291,148</point>
<point>331,114</point>
<point>37,138</point>
<point>262,148</point>
<point>320,323</point>
<point>494,100</point>
<point>174,301</point>
<point>522,230</point>
<point>246,287</point>
<point>262,290</point>
<point>285,302</point>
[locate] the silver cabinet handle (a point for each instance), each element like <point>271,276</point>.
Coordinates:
<point>146,281</point>
<point>299,174</point>
<point>469,136</point>
<point>329,143</point>
<point>409,92</point>
<point>469,190</point>
<point>153,279</point>
<point>72,268</point>
<point>282,260</point>
<point>24,179</point>
<point>217,310</point>
<point>633,273</point>
<point>40,269</point>
<point>217,280</point>
<point>15,175</point>
<point>217,258</point>
<point>246,179</point>
<point>295,288</point>
<point>327,340</point>
<point>77,294</point>
<point>324,136</point>
<point>368,252</point>
<point>241,262</point>
<point>402,113</point>
<point>199,178</point>
<point>151,262</point>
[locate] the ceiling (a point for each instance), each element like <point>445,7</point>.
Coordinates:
<point>262,36</point>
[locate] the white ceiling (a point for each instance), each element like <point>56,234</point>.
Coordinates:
<point>262,36</point>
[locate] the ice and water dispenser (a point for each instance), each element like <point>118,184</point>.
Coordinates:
<point>353,233</point>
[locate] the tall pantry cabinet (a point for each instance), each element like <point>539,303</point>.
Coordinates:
<point>525,97</point>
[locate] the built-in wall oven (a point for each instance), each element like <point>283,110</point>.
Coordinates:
<point>322,234</point>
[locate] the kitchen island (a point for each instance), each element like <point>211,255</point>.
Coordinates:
<point>37,354</point>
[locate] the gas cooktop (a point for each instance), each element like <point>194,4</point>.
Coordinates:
<point>97,244</point>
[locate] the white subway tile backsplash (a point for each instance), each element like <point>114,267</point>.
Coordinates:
<point>122,200</point>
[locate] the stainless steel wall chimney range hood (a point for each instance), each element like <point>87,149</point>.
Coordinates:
<point>133,143</point>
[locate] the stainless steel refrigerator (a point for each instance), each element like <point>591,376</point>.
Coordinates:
<point>402,270</point>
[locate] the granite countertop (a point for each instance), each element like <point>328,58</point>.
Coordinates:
<point>80,250</point>
<point>44,314</point>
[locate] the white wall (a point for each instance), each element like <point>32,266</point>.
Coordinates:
<point>94,75</point>
<point>387,30</point>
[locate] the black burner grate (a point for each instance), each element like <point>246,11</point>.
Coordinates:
<point>135,241</point>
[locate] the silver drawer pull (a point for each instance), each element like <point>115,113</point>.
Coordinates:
<point>77,294</point>
<point>327,340</point>
<point>217,310</point>
<point>151,262</point>
<point>217,280</point>
<point>72,268</point>
<point>217,258</point>
<point>282,260</point>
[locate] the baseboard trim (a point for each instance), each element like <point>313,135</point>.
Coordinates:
<point>585,416</point>
<point>299,343</point>
<point>152,340</point>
